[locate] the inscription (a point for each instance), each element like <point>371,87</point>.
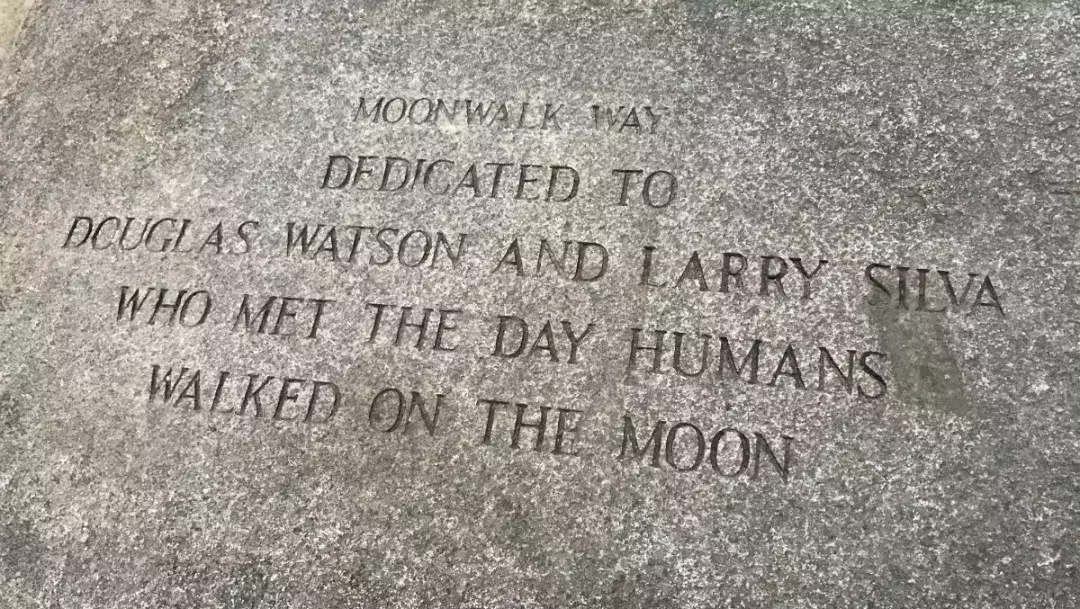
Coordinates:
<point>579,260</point>
<point>254,395</point>
<point>929,290</point>
<point>390,410</point>
<point>515,339</point>
<point>402,324</point>
<point>378,246</point>
<point>505,423</point>
<point>695,354</point>
<point>520,338</point>
<point>532,421</point>
<point>161,235</point>
<point>187,307</point>
<point>624,118</point>
<point>507,115</point>
<point>657,189</point>
<point>459,112</point>
<point>255,315</point>
<point>444,177</point>
<point>685,448</point>
<point>733,271</point>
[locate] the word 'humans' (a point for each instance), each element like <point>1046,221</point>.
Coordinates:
<point>716,359</point>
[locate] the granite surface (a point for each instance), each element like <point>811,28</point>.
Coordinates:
<point>641,304</point>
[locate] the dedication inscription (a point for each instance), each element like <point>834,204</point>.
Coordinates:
<point>499,305</point>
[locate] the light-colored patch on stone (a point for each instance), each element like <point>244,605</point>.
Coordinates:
<point>12,15</point>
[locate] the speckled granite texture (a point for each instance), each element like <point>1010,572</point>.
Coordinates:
<point>335,305</point>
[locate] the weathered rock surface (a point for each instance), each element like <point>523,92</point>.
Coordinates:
<point>391,304</point>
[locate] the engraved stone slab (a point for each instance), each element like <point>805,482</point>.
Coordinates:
<point>474,305</point>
